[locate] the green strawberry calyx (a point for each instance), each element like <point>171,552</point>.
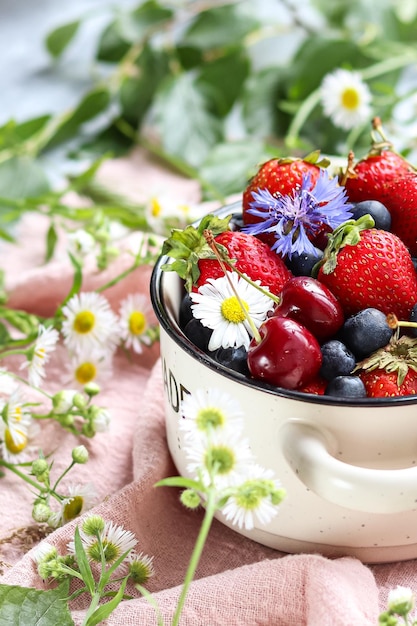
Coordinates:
<point>399,355</point>
<point>189,245</point>
<point>347,234</point>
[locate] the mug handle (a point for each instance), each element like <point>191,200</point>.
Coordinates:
<point>308,451</point>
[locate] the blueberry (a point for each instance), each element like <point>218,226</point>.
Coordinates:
<point>338,360</point>
<point>186,313</point>
<point>302,264</point>
<point>198,334</point>
<point>375,209</point>
<point>413,318</point>
<point>235,359</point>
<point>366,332</point>
<point>346,387</point>
<point>236,221</point>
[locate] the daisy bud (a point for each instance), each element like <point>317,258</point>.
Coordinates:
<point>80,454</point>
<point>93,525</point>
<point>190,499</point>
<point>62,401</point>
<point>400,600</point>
<point>41,512</point>
<point>92,389</point>
<point>79,401</point>
<point>40,468</point>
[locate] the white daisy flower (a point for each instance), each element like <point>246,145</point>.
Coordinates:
<point>345,98</point>
<point>40,354</point>
<point>209,410</point>
<point>114,539</point>
<point>16,429</point>
<point>221,457</point>
<point>139,567</point>
<point>90,323</point>
<point>44,552</point>
<point>217,307</point>
<point>80,498</point>
<point>257,497</point>
<point>87,367</point>
<point>134,313</point>
<point>401,599</point>
<point>81,242</point>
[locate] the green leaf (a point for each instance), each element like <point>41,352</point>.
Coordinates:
<point>224,26</point>
<point>103,611</point>
<point>58,39</point>
<point>51,241</point>
<point>82,562</point>
<point>179,481</point>
<point>25,606</point>
<point>223,79</point>
<point>130,28</point>
<point>229,166</point>
<point>261,116</point>
<point>187,128</point>
<point>136,92</point>
<point>93,103</point>
<point>21,177</point>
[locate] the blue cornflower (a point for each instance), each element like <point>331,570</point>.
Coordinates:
<point>295,219</point>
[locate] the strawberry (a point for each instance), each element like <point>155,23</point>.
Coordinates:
<point>195,261</point>
<point>253,257</point>
<point>367,179</point>
<point>367,267</point>
<point>317,386</point>
<point>392,370</point>
<point>280,176</point>
<point>401,200</point>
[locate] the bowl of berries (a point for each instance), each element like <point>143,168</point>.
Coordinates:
<point>300,301</point>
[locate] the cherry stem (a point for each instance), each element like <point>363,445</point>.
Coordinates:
<point>208,235</point>
<point>349,172</point>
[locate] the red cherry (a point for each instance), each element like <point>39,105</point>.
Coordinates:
<point>288,355</point>
<point>303,299</point>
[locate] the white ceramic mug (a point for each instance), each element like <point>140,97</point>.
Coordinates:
<point>349,466</point>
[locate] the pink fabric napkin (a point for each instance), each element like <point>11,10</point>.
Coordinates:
<point>238,581</point>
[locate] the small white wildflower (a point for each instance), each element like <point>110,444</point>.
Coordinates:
<point>257,496</point>
<point>217,307</point>
<point>401,600</point>
<point>135,312</point>
<point>86,367</point>
<point>63,400</point>
<point>220,457</point>
<point>210,409</point>
<point>81,242</point>
<point>80,499</point>
<point>115,541</point>
<point>44,552</point>
<point>16,429</point>
<point>90,323</point>
<point>345,98</point>
<point>139,566</point>
<point>40,353</point>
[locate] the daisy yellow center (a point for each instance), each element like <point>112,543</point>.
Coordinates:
<point>350,99</point>
<point>17,414</point>
<point>221,459</point>
<point>85,373</point>
<point>232,310</point>
<point>210,417</point>
<point>250,496</point>
<point>13,446</point>
<point>40,353</point>
<point>156,208</point>
<point>84,322</point>
<point>137,323</point>
<point>73,508</point>
<point>110,549</point>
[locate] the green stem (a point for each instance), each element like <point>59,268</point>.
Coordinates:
<point>70,466</point>
<point>26,478</point>
<point>94,604</point>
<point>197,552</point>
